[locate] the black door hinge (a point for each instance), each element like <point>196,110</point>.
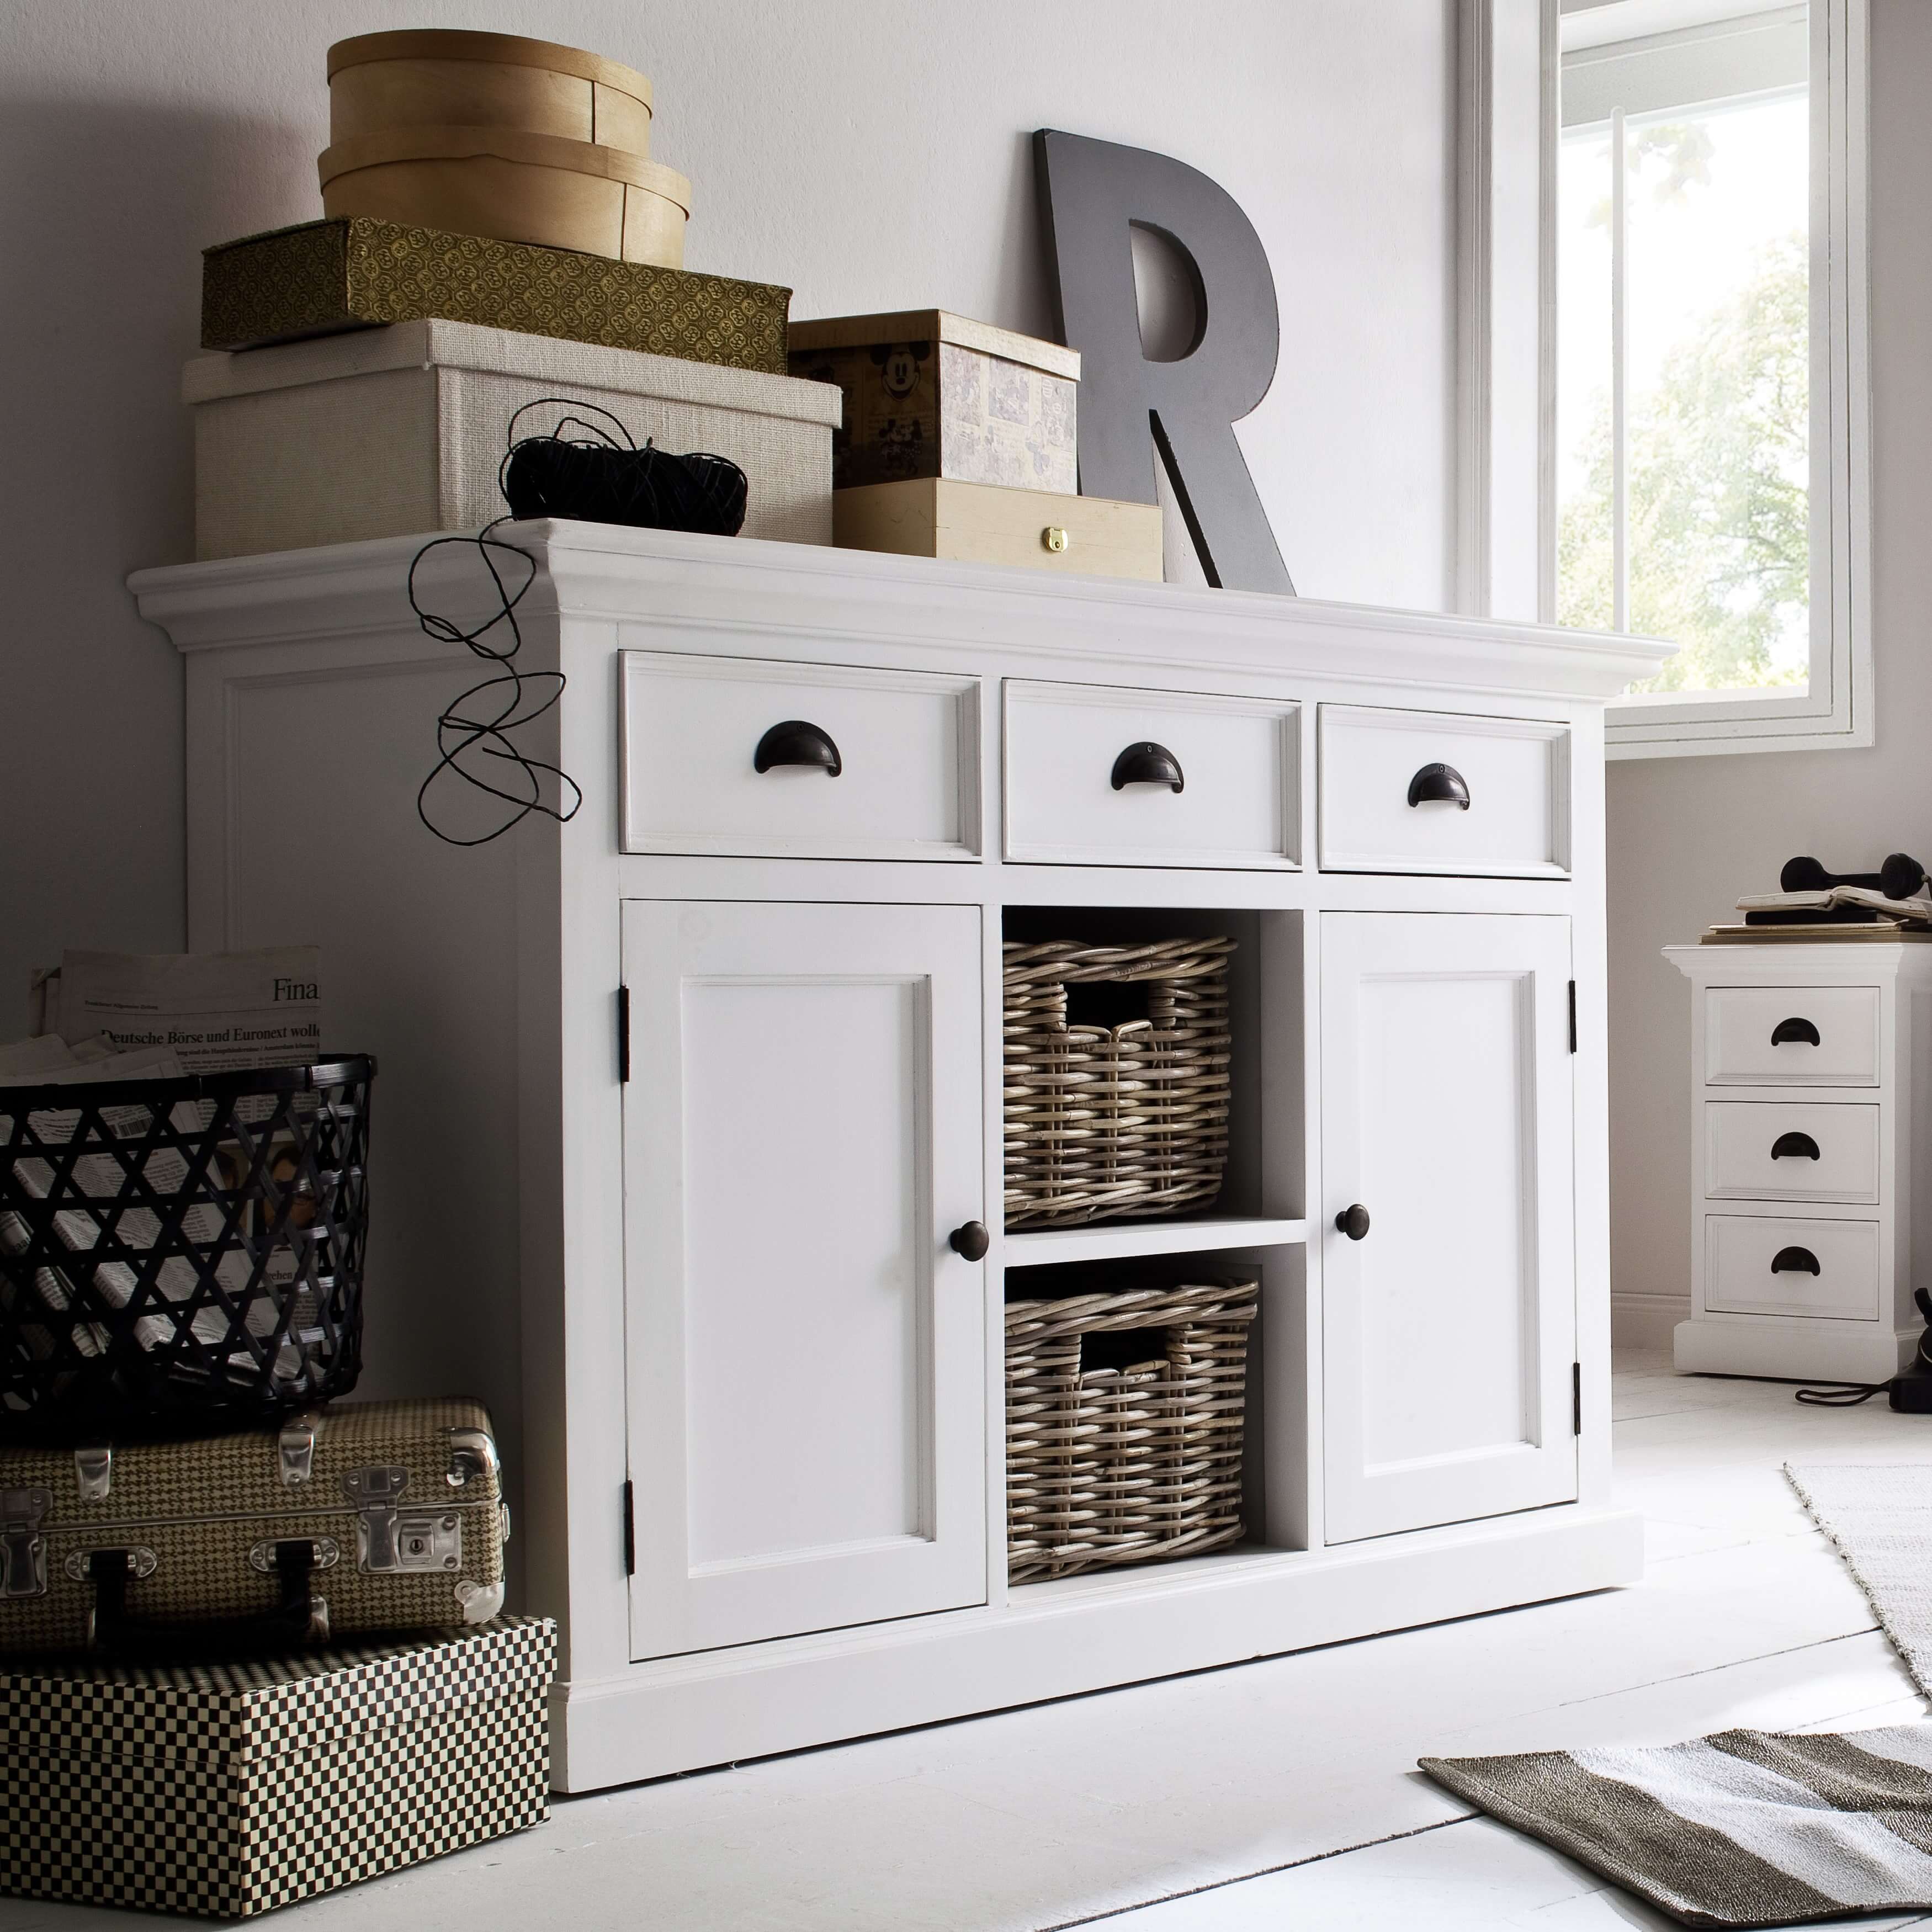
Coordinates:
<point>623,1032</point>
<point>1576,1400</point>
<point>630,1532</point>
<point>1573,1016</point>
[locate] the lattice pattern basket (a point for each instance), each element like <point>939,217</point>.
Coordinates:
<point>1104,1122</point>
<point>180,1253</point>
<point>1125,1418</point>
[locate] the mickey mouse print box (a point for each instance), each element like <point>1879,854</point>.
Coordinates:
<point>223,1790</point>
<point>927,394</point>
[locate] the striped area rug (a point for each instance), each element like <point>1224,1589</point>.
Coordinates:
<point>1761,1828</point>
<point>1744,1829</point>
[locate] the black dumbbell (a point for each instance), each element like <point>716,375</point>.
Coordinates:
<point>1898,878</point>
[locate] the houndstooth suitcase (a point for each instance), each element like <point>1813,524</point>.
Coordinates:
<point>364,1516</point>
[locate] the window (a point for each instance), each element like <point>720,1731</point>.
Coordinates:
<point>1710,413</point>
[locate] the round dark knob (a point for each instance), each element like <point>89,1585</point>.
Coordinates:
<point>972,1240</point>
<point>1353,1222</point>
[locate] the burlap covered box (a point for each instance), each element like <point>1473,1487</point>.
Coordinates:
<point>399,431</point>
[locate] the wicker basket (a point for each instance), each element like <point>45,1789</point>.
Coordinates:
<point>1130,1460</point>
<point>1104,1122</point>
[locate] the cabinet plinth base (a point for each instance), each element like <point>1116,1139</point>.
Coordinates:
<point>687,1713</point>
<point>1793,1350</point>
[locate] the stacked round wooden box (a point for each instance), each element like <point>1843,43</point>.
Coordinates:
<point>492,134</point>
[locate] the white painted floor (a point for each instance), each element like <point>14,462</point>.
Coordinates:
<point>1277,1796</point>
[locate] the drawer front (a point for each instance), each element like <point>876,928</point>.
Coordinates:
<point>1791,1036</point>
<point>906,744</point>
<point>1426,791</point>
<point>1756,1265</point>
<point>1236,759</point>
<point>1786,1150</point>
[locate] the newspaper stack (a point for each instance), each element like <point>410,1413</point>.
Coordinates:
<point>110,1016</point>
<point>1837,912</point>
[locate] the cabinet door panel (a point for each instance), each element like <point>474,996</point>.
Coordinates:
<point>802,1129</point>
<point>1449,1329</point>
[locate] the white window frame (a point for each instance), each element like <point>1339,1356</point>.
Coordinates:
<point>1837,708</point>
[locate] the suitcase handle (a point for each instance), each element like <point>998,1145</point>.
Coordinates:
<point>298,1619</point>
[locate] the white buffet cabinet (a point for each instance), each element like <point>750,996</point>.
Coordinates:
<point>751,1393</point>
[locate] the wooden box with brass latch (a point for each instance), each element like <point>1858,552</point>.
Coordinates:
<point>364,1516</point>
<point>985,523</point>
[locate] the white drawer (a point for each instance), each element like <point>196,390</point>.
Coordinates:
<point>1791,1036</point>
<point>1429,791</point>
<point>906,745</point>
<point>1755,1265</point>
<point>1790,1151</point>
<point>1083,785</point>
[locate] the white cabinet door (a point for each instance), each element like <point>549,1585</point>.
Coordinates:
<point>803,1132</point>
<point>1450,1328</point>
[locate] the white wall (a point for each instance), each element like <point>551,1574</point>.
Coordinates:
<point>1688,835</point>
<point>871,155</point>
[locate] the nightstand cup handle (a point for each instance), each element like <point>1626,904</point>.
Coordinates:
<point>1795,1147</point>
<point>1794,1261</point>
<point>1787,1031</point>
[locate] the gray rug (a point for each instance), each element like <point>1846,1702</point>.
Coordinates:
<point>1880,1517</point>
<point>1761,1828</point>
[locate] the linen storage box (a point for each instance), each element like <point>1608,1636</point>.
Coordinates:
<point>927,394</point>
<point>1108,1117</point>
<point>494,134</point>
<point>1125,1416</point>
<point>981,523</point>
<point>379,1516</point>
<point>397,431</point>
<point>322,278</point>
<point>225,1790</point>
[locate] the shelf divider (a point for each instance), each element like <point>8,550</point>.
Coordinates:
<point>1121,1240</point>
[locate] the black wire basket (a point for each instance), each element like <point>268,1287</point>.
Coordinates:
<point>182,1255</point>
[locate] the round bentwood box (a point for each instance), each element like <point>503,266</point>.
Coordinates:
<point>512,186</point>
<point>436,78</point>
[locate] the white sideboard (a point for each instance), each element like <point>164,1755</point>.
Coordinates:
<point>1811,1071</point>
<point>680,1102</point>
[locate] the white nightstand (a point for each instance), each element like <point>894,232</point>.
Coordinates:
<point>1809,1087</point>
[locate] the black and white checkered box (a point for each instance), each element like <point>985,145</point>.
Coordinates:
<point>225,1790</point>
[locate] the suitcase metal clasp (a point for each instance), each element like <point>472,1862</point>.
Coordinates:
<point>295,1449</point>
<point>94,1473</point>
<point>23,1549</point>
<point>386,1539</point>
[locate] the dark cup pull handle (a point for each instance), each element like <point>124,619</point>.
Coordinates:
<point>1794,1146</point>
<point>796,742</point>
<point>971,1239</point>
<point>1148,763</point>
<point>1794,1261</point>
<point>1439,784</point>
<point>1786,1031</point>
<point>290,1625</point>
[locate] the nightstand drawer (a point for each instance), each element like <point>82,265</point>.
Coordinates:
<point>1756,1265</point>
<point>1789,1151</point>
<point>748,757</point>
<point>1431,791</point>
<point>1097,776</point>
<point>1791,1036</point>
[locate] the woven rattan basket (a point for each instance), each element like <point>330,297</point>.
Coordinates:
<point>1136,1456</point>
<point>1107,1121</point>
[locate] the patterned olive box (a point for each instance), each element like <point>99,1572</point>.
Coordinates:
<point>225,1790</point>
<point>326,276</point>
